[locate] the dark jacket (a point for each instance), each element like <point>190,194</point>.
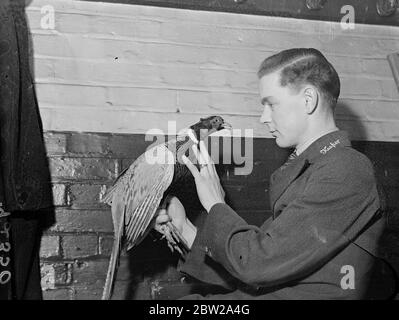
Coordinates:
<point>325,225</point>
<point>24,173</point>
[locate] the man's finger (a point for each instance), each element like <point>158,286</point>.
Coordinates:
<point>204,153</point>
<point>161,212</point>
<point>163,218</point>
<point>190,166</point>
<point>198,155</point>
<point>207,158</point>
<point>212,171</point>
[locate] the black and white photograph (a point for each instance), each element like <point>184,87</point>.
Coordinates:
<point>215,152</point>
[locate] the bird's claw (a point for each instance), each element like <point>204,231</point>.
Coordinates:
<point>174,238</point>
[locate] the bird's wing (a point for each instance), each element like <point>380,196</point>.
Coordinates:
<point>134,199</point>
<point>138,193</point>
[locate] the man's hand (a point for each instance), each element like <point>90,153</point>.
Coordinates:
<point>177,215</point>
<point>174,212</point>
<point>209,189</point>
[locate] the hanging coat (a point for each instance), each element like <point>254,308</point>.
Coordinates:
<point>24,172</point>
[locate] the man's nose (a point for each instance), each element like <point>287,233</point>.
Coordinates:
<point>266,115</point>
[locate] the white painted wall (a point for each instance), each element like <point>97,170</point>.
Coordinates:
<point>128,68</point>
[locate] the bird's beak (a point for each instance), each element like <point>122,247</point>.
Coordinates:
<point>227,126</point>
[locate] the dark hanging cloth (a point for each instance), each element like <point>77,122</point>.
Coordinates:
<point>24,165</point>
<point>24,173</point>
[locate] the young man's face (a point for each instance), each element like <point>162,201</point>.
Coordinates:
<point>284,111</point>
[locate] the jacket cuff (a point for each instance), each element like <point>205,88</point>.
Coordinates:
<point>199,262</point>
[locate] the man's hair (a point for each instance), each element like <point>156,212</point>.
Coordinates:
<point>300,66</point>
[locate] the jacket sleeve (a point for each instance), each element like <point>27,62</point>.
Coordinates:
<point>335,205</point>
<point>199,265</point>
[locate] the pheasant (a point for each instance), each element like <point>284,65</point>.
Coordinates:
<point>144,187</point>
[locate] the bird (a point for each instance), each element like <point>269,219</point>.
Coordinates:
<point>146,186</point>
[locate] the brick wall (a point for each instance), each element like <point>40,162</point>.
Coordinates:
<point>109,72</point>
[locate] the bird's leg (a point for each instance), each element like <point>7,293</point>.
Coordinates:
<point>181,245</point>
<point>171,238</point>
<point>167,234</point>
<point>171,233</point>
<point>178,236</point>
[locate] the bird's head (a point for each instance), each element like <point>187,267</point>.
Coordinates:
<point>209,125</point>
<point>199,131</point>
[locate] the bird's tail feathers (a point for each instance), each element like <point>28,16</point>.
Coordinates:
<point>113,262</point>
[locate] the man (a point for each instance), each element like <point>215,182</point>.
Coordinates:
<point>321,242</point>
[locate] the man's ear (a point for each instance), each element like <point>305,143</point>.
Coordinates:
<point>311,97</point>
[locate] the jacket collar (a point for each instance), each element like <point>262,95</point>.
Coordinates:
<point>286,174</point>
<point>325,145</point>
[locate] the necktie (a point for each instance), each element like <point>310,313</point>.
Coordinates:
<point>290,159</point>
<point>292,156</point>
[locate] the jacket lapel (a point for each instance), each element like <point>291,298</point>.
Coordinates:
<point>284,176</point>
